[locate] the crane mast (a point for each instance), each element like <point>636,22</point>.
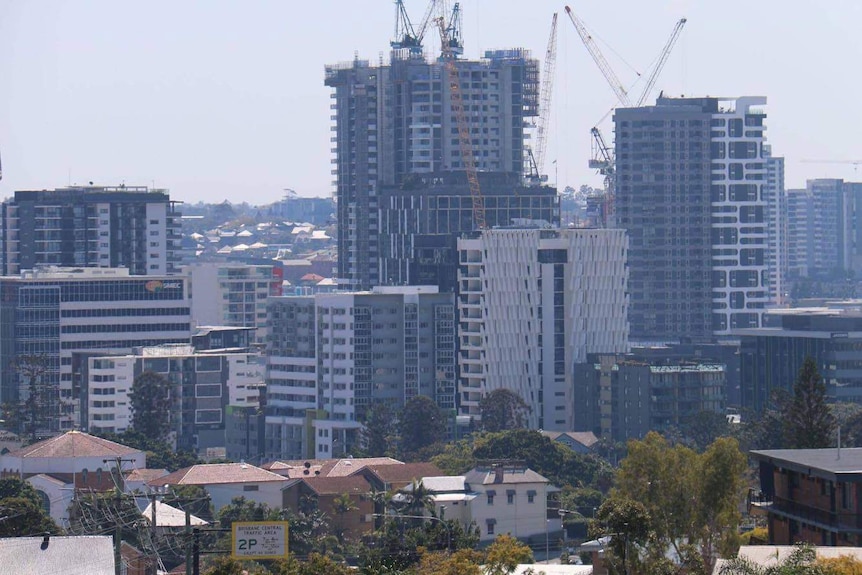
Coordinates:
<point>464,140</point>
<point>545,98</point>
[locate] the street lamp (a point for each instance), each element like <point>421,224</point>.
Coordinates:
<point>446,525</point>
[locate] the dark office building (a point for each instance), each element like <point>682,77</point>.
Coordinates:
<point>626,396</point>
<point>771,357</point>
<point>130,227</point>
<point>690,191</point>
<point>421,221</point>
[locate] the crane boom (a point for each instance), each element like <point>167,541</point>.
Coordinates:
<point>426,19</point>
<point>464,141</point>
<point>665,53</point>
<point>599,59</point>
<point>545,96</point>
<point>405,37</point>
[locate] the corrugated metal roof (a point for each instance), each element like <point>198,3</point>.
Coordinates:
<point>84,555</point>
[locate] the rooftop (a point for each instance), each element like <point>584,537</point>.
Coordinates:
<point>218,473</point>
<point>831,460</point>
<point>503,475</point>
<point>74,444</point>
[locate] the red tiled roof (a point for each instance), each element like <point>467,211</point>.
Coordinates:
<point>345,467</point>
<point>215,473</point>
<point>352,485</point>
<point>74,444</point>
<point>311,277</point>
<point>145,474</point>
<point>405,472</point>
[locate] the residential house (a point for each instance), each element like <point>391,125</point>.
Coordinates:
<point>224,481</point>
<point>505,497</point>
<point>578,441</point>
<point>58,466</point>
<point>346,500</point>
<point>811,495</point>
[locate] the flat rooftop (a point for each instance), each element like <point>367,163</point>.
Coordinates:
<point>829,462</point>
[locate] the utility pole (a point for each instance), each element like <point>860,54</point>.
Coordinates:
<point>119,488</point>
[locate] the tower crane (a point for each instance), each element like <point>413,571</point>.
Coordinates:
<point>448,57</point>
<point>603,156</point>
<point>662,60</point>
<point>545,93</point>
<point>406,36</point>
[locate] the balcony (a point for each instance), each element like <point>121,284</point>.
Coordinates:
<point>832,520</point>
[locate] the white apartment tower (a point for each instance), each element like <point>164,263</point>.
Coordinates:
<point>532,303</point>
<point>331,356</point>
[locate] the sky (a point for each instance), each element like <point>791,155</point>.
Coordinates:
<point>224,100</point>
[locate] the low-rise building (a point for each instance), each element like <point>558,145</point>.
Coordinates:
<point>224,481</point>
<point>204,385</point>
<point>59,466</point>
<point>500,498</point>
<point>811,495</point>
<point>345,500</point>
<point>625,396</point>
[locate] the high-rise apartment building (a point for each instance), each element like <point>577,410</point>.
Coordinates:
<point>691,192</point>
<point>47,314</point>
<point>776,218</point>
<point>109,227</point>
<point>823,229</point>
<point>331,356</point>
<point>233,294</point>
<point>395,122</point>
<point>531,304</point>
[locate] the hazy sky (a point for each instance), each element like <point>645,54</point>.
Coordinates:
<point>225,99</point>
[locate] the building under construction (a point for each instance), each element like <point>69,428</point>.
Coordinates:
<point>396,130</point>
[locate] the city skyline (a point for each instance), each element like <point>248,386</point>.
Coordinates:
<point>223,101</point>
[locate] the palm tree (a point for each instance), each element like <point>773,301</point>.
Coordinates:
<point>342,505</point>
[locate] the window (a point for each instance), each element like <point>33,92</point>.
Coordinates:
<point>250,488</point>
<point>510,496</point>
<point>491,495</point>
<point>531,496</point>
<point>490,524</point>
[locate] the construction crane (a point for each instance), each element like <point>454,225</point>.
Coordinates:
<point>602,155</point>
<point>538,158</point>
<point>665,53</point>
<point>605,68</point>
<point>448,58</point>
<point>406,36</point>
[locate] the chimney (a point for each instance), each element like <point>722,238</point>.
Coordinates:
<point>498,474</point>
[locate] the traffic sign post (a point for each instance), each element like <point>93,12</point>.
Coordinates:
<point>259,540</point>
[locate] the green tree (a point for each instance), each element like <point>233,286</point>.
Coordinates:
<point>21,511</point>
<point>341,506</point>
<point>626,524</point>
<point>809,423</point>
<point>558,463</point>
<point>456,458</point>
<point>160,455</point>
<point>503,409</point>
<point>316,564</point>
<point>378,430</point>
<point>422,423</point>
<point>705,427</point>
<point>242,509</point>
<point>504,554</point>
<point>462,562</point>
<point>692,499</point>
<point>151,402</point>
<point>39,407</point>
